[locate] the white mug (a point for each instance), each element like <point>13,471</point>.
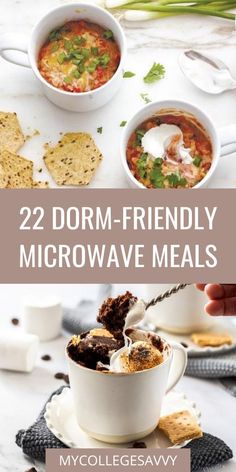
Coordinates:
<point>78,102</point>
<point>123,407</point>
<point>223,139</point>
<point>182,313</point>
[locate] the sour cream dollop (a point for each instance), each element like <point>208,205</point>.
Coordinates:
<point>157,140</point>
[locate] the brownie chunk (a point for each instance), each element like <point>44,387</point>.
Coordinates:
<point>113,312</point>
<point>90,351</point>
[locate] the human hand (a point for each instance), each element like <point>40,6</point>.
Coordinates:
<point>222,299</point>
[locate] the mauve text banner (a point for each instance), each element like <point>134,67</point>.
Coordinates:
<point>108,460</point>
<point>103,235</point>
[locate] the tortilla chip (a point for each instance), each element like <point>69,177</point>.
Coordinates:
<point>3,178</point>
<point>74,160</point>
<point>40,184</point>
<point>11,136</point>
<point>17,170</point>
<point>211,339</point>
<point>180,426</point>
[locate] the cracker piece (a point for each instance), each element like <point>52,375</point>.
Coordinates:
<point>211,339</point>
<point>11,136</point>
<point>74,160</point>
<point>40,184</point>
<point>180,426</point>
<point>17,170</point>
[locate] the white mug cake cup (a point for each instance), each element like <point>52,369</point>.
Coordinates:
<point>223,139</point>
<point>123,407</point>
<point>77,102</point>
<point>181,314</point>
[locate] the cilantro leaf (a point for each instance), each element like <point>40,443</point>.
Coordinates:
<point>156,177</point>
<point>142,165</point>
<point>197,161</point>
<point>123,123</point>
<point>156,73</point>
<point>100,130</point>
<point>158,162</point>
<point>127,74</point>
<point>145,97</point>
<point>175,180</point>
<point>139,135</point>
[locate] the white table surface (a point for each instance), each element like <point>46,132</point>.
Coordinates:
<point>153,41</point>
<point>23,395</point>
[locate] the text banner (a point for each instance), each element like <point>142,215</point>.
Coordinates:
<point>108,460</point>
<point>91,236</point>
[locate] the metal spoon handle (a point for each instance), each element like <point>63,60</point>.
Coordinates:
<point>166,294</point>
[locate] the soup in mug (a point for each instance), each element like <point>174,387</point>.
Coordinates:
<point>169,150</point>
<point>79,57</point>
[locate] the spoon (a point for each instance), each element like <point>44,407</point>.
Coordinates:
<point>136,316</point>
<point>208,73</point>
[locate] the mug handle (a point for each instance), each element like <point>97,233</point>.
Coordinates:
<point>178,365</point>
<point>15,42</point>
<point>227,136</point>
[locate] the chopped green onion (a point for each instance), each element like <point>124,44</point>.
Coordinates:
<point>76,74</point>
<point>68,45</point>
<point>85,53</point>
<point>108,34</point>
<point>197,161</point>
<point>81,68</point>
<point>61,57</point>
<point>79,40</point>
<point>68,79</point>
<point>54,35</point>
<point>104,60</point>
<point>92,65</point>
<point>128,74</point>
<point>94,51</point>
<point>54,47</point>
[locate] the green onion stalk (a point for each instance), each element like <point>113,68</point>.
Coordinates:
<point>154,6</point>
<point>153,9</point>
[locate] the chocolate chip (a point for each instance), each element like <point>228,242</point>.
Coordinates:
<point>66,379</point>
<point>138,445</point>
<point>15,321</point>
<point>59,375</point>
<point>46,357</point>
<point>184,345</point>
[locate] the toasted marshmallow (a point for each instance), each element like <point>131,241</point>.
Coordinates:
<point>141,356</point>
